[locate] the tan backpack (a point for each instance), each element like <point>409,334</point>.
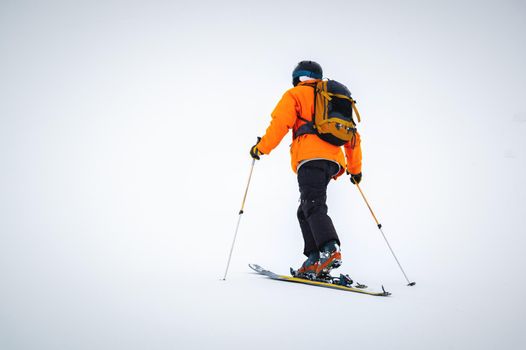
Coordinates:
<point>333,114</point>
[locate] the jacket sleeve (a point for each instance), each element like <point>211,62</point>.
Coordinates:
<point>353,154</point>
<point>283,119</point>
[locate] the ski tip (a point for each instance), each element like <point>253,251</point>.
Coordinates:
<point>256,268</point>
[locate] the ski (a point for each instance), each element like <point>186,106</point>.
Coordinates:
<point>341,283</point>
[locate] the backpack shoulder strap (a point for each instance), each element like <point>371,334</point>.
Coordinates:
<point>308,127</point>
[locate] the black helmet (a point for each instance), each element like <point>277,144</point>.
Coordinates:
<point>306,68</point>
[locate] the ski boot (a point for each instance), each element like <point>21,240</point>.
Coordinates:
<point>330,258</point>
<point>309,267</point>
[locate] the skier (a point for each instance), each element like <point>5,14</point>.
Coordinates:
<point>316,162</point>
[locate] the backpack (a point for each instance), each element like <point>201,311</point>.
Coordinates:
<point>332,120</point>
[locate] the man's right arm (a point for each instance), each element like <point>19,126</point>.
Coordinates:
<point>353,153</point>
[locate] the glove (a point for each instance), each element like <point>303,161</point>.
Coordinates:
<point>356,178</point>
<point>254,151</point>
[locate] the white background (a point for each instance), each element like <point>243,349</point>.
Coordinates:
<point>125,128</point>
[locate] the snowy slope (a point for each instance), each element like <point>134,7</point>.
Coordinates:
<point>124,137</point>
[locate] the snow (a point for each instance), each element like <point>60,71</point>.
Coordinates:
<point>124,137</point>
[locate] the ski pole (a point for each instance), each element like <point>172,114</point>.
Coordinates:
<point>385,238</point>
<point>239,218</point>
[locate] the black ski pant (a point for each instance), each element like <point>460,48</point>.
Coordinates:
<point>316,225</point>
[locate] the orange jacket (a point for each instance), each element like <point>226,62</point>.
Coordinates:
<point>299,101</point>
